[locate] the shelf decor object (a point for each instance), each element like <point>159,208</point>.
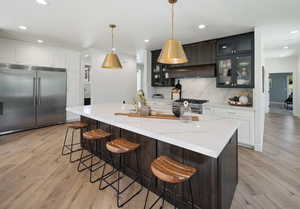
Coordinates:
<point>172,52</point>
<point>111,60</point>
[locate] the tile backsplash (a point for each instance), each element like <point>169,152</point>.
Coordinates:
<point>201,88</point>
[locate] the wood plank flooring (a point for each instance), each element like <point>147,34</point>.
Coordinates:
<point>33,174</point>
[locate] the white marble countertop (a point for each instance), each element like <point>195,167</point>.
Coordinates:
<point>226,105</point>
<point>208,136</point>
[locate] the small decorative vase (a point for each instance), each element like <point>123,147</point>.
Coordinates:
<point>244,100</point>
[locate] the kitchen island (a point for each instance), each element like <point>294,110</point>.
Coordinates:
<point>209,145</point>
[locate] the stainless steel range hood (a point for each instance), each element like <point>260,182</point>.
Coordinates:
<point>203,71</point>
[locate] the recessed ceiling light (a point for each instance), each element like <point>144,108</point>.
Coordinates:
<point>285,47</point>
<point>202,26</point>
<point>42,2</point>
<point>86,55</point>
<point>294,32</point>
<point>22,27</point>
<point>40,41</point>
<point>146,40</point>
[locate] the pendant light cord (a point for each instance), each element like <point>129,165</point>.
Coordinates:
<point>112,39</point>
<point>172,25</point>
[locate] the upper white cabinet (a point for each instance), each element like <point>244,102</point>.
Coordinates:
<point>32,55</point>
<point>7,53</point>
<point>59,59</point>
<point>244,115</point>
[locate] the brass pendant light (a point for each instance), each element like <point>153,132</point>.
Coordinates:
<point>172,52</point>
<point>111,60</point>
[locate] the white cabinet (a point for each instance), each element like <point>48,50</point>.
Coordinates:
<point>32,55</point>
<point>7,53</point>
<point>244,116</point>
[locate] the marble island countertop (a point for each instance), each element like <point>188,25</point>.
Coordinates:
<point>207,136</point>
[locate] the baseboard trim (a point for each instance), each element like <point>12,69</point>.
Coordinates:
<point>258,147</point>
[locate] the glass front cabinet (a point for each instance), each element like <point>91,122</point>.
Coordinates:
<point>235,62</point>
<point>160,75</point>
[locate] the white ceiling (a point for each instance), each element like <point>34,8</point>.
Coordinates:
<point>84,23</point>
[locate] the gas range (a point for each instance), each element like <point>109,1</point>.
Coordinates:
<point>195,104</point>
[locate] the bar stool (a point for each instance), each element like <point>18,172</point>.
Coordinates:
<point>74,126</point>
<point>120,147</point>
<point>93,146</point>
<point>172,172</point>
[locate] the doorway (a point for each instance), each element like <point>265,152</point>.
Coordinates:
<point>281,93</point>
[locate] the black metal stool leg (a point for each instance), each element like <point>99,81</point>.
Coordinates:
<point>120,192</point>
<point>95,154</point>
<point>148,191</point>
<point>118,182</point>
<point>175,201</point>
<point>192,198</point>
<point>104,176</point>
<point>81,155</point>
<point>73,130</point>
<point>63,148</point>
<point>163,196</point>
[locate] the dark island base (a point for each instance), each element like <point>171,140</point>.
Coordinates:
<point>213,185</point>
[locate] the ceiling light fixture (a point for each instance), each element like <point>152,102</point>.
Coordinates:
<point>22,27</point>
<point>111,60</point>
<point>202,26</point>
<point>285,47</point>
<point>294,32</point>
<point>40,41</point>
<point>172,52</point>
<point>146,40</point>
<point>42,2</point>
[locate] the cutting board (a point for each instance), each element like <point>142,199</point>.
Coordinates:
<point>160,116</point>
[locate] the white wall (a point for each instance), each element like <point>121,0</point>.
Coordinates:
<point>20,52</point>
<point>297,96</point>
<point>113,85</point>
<point>282,65</point>
<point>258,94</point>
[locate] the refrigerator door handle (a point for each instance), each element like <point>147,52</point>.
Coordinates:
<point>1,108</point>
<point>39,91</point>
<point>34,91</point>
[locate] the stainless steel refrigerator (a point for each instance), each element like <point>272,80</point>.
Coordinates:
<point>31,97</point>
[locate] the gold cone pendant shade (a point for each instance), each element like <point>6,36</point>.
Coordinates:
<point>172,52</point>
<point>112,60</point>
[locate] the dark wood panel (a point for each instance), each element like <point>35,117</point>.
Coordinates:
<point>228,173</point>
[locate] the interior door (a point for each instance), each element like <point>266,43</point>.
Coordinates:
<point>51,96</point>
<point>17,97</point>
<point>278,87</point>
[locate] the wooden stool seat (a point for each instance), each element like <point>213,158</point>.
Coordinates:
<point>77,125</point>
<point>95,134</point>
<point>121,145</point>
<point>171,171</point>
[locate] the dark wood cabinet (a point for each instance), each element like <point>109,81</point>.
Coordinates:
<point>160,76</point>
<point>240,44</point>
<point>201,53</point>
<point>235,61</point>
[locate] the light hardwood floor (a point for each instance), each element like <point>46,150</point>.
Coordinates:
<point>33,174</point>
